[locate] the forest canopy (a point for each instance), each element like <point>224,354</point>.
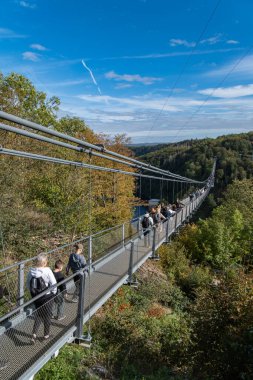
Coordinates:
<point>42,203</point>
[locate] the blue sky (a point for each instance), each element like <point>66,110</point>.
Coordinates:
<point>158,70</point>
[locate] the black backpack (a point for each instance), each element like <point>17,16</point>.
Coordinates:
<point>77,262</point>
<point>37,286</point>
<point>145,222</point>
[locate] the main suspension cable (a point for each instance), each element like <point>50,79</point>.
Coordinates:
<point>56,160</point>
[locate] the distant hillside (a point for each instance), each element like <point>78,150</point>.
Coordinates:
<point>194,159</point>
<point>143,149</point>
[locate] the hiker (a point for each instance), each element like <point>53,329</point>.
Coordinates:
<point>170,211</point>
<point>174,207</point>
<point>76,262</point>
<point>154,216</point>
<point>164,211</point>
<point>58,305</point>
<point>39,279</point>
<point>160,218</point>
<point>179,204</point>
<point>147,223</point>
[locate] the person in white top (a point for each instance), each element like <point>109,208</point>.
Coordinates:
<point>147,223</point>
<point>39,279</point>
<point>170,211</point>
<point>160,218</point>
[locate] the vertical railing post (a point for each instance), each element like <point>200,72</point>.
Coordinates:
<point>139,228</point>
<point>154,256</point>
<point>80,310</point>
<point>90,252</point>
<point>167,231</point>
<point>123,235</point>
<point>175,222</point>
<point>153,243</point>
<point>21,280</point>
<point>131,264</point>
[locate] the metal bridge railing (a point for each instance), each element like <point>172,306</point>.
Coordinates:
<point>97,248</point>
<point>26,357</point>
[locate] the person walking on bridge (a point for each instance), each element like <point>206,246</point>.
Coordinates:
<point>39,279</point>
<point>147,223</point>
<point>76,262</point>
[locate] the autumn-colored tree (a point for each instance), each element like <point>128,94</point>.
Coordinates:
<point>43,199</point>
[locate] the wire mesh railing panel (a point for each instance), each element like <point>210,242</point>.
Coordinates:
<point>178,219</point>
<point>131,230</point>
<point>161,230</point>
<point>103,244</point>
<point>184,211</point>
<point>171,222</point>
<point>164,229</point>
<point>23,345</point>
<point>9,290</point>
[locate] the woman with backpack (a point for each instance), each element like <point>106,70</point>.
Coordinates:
<point>39,279</point>
<point>147,223</point>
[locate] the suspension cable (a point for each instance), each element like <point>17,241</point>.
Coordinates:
<point>23,154</point>
<point>81,144</point>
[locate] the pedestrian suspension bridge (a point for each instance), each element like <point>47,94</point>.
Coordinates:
<point>113,256</point>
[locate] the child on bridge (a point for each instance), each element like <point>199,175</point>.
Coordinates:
<point>76,262</point>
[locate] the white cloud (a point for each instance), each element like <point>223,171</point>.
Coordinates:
<point>119,86</point>
<point>179,42</point>
<point>67,83</point>
<point>174,54</point>
<point>229,92</point>
<point>211,40</point>
<point>9,34</point>
<point>134,102</point>
<point>237,67</point>
<point>136,115</point>
<point>207,41</point>
<point>131,78</point>
<point>26,4</point>
<point>30,56</point>
<point>232,42</point>
<point>38,47</point>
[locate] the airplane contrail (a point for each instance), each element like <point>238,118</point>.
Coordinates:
<point>92,76</point>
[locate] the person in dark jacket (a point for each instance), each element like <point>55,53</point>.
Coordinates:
<point>58,306</point>
<point>76,262</point>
